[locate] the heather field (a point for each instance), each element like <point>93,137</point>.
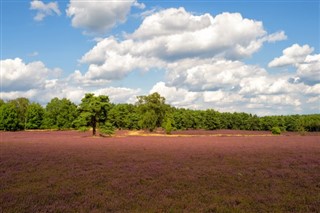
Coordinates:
<point>204,171</point>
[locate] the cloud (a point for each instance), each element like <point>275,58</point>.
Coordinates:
<point>35,81</point>
<point>170,21</point>
<point>138,5</point>
<point>210,74</point>
<point>246,88</point>
<point>112,60</point>
<point>33,54</point>
<point>292,56</point>
<point>78,78</point>
<point>175,33</point>
<point>278,36</point>
<point>270,101</point>
<point>44,10</point>
<point>200,56</point>
<point>178,97</point>
<point>307,65</point>
<point>309,70</point>
<point>230,101</point>
<point>120,94</point>
<point>38,83</point>
<point>312,90</point>
<point>18,76</point>
<point>99,16</point>
<point>171,35</point>
<point>227,85</point>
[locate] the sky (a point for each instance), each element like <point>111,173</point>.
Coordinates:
<point>260,57</point>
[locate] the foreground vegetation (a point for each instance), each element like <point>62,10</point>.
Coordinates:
<point>70,171</point>
<point>149,113</point>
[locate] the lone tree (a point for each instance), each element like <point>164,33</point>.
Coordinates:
<point>152,109</point>
<point>93,111</point>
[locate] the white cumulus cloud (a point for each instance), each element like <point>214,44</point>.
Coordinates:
<point>38,83</point>
<point>174,34</point>
<point>170,21</point>
<point>210,74</point>
<point>307,65</point>
<point>99,16</point>
<point>178,97</point>
<point>120,94</point>
<point>18,76</point>
<point>44,10</point>
<point>292,56</point>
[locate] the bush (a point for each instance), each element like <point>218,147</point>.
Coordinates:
<point>276,130</point>
<point>107,129</point>
<point>168,127</point>
<point>302,131</point>
<point>83,129</point>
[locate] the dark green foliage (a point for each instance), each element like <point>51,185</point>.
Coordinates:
<point>83,129</point>
<point>107,129</point>
<point>312,123</point>
<point>152,109</point>
<point>149,112</point>
<point>9,117</point>
<point>168,122</point>
<point>34,116</point>
<point>276,130</point>
<point>168,127</point>
<point>148,120</point>
<point>1,102</point>
<point>211,119</point>
<point>124,116</point>
<point>60,114</point>
<point>93,111</point>
<point>21,105</point>
<point>188,119</point>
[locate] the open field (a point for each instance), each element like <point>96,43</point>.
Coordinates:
<point>69,171</point>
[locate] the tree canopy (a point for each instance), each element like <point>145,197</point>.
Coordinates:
<point>60,114</point>
<point>149,112</point>
<point>152,109</point>
<point>93,111</point>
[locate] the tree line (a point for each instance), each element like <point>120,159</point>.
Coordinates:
<point>149,112</point>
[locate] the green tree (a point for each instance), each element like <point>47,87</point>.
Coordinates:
<point>152,109</point>
<point>312,123</point>
<point>21,105</point>
<point>226,120</point>
<point>148,120</point>
<point>60,114</point>
<point>124,116</point>
<point>94,111</point>
<point>34,116</point>
<point>2,102</point>
<point>183,118</point>
<point>9,117</point>
<point>211,119</point>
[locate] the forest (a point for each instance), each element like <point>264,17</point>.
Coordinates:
<point>149,112</point>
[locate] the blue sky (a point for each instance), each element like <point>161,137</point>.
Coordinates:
<point>260,57</point>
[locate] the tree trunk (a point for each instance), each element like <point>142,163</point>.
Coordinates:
<point>94,126</point>
<point>94,131</point>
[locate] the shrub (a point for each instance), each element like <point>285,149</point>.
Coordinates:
<point>83,129</point>
<point>276,130</point>
<point>168,127</point>
<point>107,129</point>
<point>302,131</point>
